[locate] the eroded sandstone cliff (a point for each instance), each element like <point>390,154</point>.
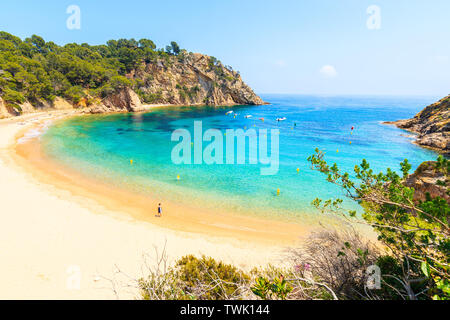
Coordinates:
<point>3,111</point>
<point>432,178</point>
<point>192,78</point>
<point>185,79</point>
<point>188,79</point>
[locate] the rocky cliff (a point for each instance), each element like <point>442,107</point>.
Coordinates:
<point>192,78</point>
<point>3,111</point>
<point>432,125</point>
<point>57,104</point>
<point>126,100</point>
<point>185,79</point>
<point>189,79</point>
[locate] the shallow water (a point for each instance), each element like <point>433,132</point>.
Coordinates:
<point>102,146</point>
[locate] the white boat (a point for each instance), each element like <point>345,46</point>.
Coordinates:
<point>229,112</point>
<point>248,116</point>
<point>281,119</point>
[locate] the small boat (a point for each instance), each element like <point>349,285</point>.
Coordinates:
<point>281,119</point>
<point>229,112</point>
<point>262,119</point>
<point>248,116</point>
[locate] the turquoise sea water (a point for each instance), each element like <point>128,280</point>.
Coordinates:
<point>101,146</point>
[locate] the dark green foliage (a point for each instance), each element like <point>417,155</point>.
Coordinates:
<point>268,290</point>
<point>186,92</point>
<point>13,97</point>
<point>417,233</point>
<point>195,279</point>
<point>193,271</point>
<point>204,278</point>
<point>149,97</point>
<point>35,70</point>
<point>222,72</point>
<point>74,94</point>
<point>175,48</point>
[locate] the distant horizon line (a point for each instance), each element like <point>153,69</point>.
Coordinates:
<point>354,94</point>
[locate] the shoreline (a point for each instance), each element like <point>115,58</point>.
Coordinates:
<point>414,136</point>
<point>63,223</point>
<point>142,208</point>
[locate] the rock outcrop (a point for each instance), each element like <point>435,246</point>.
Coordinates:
<point>186,79</point>
<point>192,79</point>
<point>429,178</point>
<point>61,104</point>
<point>126,100</point>
<point>10,111</point>
<point>3,111</point>
<point>432,125</point>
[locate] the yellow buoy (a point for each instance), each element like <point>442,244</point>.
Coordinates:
<point>278,192</point>
<point>337,151</point>
<point>298,170</point>
<point>131,161</point>
<point>178,177</point>
<point>350,142</point>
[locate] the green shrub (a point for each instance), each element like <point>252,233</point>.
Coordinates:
<point>12,96</point>
<point>222,280</point>
<point>119,82</point>
<point>266,289</point>
<point>74,94</point>
<point>35,69</point>
<point>416,232</point>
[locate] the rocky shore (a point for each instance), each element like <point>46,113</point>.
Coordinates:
<point>430,177</point>
<point>432,125</point>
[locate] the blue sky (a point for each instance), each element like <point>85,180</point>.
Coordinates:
<point>283,46</point>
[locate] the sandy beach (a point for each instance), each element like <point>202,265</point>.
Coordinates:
<point>57,226</point>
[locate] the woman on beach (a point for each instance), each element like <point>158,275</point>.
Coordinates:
<point>159,210</point>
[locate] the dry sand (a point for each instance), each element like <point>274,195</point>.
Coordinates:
<point>57,227</point>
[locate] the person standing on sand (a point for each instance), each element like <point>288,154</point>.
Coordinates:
<point>159,210</point>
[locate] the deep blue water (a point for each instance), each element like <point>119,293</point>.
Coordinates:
<point>102,146</point>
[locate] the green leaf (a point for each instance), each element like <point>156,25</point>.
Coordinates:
<point>425,269</point>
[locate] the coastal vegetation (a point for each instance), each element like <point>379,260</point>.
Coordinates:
<point>37,70</point>
<point>412,255</point>
<point>415,232</point>
<point>116,76</point>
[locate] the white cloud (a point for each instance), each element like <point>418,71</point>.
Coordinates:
<point>280,63</point>
<point>441,59</point>
<point>328,71</point>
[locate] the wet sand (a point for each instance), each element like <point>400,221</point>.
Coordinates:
<point>58,225</point>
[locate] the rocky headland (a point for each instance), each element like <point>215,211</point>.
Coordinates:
<point>193,79</point>
<point>432,126</point>
<point>124,75</point>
